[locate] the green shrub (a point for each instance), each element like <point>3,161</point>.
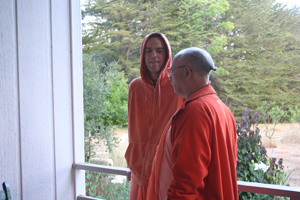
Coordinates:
<point>271,114</point>
<point>294,114</point>
<point>105,100</point>
<point>99,185</point>
<point>251,151</point>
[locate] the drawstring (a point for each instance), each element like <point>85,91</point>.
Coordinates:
<point>145,91</point>
<point>159,98</point>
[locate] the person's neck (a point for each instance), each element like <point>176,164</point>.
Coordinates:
<point>195,89</point>
<point>153,79</point>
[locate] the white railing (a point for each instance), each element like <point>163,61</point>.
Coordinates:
<point>82,197</point>
<point>270,189</point>
<point>276,190</point>
<point>101,168</point>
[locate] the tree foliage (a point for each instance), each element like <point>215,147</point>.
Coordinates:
<point>119,27</point>
<point>254,43</point>
<point>105,100</point>
<point>262,55</point>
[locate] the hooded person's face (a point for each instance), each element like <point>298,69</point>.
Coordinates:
<point>155,56</point>
<point>177,75</point>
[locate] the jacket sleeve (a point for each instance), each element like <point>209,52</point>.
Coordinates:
<point>192,154</point>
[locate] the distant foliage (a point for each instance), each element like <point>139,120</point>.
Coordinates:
<point>271,114</point>
<point>261,56</point>
<point>99,185</point>
<point>255,44</point>
<point>251,154</point>
<point>117,28</point>
<point>105,100</point>
<point>294,114</point>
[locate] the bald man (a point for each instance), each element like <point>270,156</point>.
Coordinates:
<point>197,154</point>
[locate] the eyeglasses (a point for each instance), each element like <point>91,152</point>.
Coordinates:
<point>171,69</point>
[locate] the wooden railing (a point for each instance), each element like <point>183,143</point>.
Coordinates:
<point>276,190</point>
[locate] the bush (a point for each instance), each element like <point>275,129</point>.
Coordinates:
<point>99,185</point>
<point>294,114</point>
<point>105,100</point>
<point>273,114</point>
<point>251,154</point>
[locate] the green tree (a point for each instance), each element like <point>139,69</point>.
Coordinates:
<point>254,43</point>
<point>271,114</point>
<point>260,61</point>
<point>119,27</point>
<point>294,113</point>
<point>105,100</point>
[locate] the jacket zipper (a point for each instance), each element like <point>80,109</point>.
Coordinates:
<point>150,131</point>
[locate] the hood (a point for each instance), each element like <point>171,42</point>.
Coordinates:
<point>164,72</point>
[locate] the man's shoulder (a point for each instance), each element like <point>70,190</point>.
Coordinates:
<point>135,83</point>
<point>137,80</point>
<point>205,103</point>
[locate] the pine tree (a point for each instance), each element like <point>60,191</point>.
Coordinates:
<point>261,59</point>
<point>120,26</point>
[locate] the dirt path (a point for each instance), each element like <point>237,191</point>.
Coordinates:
<point>287,142</point>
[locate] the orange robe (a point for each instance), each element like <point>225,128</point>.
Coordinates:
<point>203,141</point>
<point>149,109</point>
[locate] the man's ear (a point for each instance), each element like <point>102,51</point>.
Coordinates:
<point>188,73</point>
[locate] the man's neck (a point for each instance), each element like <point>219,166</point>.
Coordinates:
<point>195,89</point>
<point>153,79</point>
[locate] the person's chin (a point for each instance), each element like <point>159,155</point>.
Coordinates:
<point>155,68</point>
<point>177,91</point>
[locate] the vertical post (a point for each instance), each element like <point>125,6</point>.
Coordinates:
<point>89,156</point>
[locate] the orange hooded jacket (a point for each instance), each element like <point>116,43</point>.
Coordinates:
<point>149,110</point>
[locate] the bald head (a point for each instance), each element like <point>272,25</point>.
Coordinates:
<point>200,61</point>
<point>190,71</point>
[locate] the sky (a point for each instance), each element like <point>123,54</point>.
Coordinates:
<point>290,3</point>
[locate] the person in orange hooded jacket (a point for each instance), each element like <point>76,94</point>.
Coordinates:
<point>197,155</point>
<point>151,103</point>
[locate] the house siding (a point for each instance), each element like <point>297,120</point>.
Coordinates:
<point>41,106</point>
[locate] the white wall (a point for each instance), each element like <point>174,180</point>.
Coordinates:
<point>41,105</point>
